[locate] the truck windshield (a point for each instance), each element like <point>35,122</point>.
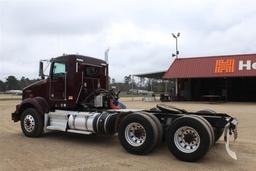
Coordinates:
<point>59,69</point>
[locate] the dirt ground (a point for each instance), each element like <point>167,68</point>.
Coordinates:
<point>59,151</point>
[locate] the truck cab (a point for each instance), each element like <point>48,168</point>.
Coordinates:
<point>70,80</point>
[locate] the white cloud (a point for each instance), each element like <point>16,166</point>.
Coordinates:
<point>138,32</point>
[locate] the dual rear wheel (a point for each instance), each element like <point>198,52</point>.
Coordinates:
<point>188,137</point>
<point>140,133</point>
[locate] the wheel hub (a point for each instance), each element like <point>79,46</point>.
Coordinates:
<point>138,132</point>
<point>187,139</point>
<point>29,123</point>
<point>135,134</point>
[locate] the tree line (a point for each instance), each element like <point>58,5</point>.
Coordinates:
<point>12,83</point>
<point>142,84</point>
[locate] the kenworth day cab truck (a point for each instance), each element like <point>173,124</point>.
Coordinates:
<point>75,98</point>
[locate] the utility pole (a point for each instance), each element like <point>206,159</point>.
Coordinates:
<point>106,59</point>
<point>175,36</point>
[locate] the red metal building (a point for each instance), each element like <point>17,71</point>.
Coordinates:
<point>230,77</point>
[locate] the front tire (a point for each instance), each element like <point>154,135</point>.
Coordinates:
<point>31,123</point>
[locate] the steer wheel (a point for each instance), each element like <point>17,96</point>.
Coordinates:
<point>31,123</point>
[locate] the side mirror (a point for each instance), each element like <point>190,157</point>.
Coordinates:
<point>41,69</point>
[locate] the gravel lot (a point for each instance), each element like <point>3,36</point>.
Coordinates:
<point>59,151</point>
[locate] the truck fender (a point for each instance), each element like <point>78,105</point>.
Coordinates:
<point>43,103</point>
<point>38,103</point>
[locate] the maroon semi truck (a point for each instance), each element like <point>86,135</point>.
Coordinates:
<point>75,98</point>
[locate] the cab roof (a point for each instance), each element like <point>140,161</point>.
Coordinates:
<point>80,59</point>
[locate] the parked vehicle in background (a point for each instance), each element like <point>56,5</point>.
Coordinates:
<point>15,92</point>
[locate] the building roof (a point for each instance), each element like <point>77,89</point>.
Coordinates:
<point>154,75</point>
<point>243,65</point>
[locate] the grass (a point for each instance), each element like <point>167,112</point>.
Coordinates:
<point>10,97</point>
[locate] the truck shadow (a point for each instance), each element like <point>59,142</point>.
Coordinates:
<point>94,140</point>
<point>82,139</point>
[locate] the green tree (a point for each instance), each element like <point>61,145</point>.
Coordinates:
<point>2,86</point>
<point>113,81</point>
<point>128,79</point>
<point>23,82</point>
<point>12,83</point>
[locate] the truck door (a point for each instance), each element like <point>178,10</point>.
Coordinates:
<point>58,82</point>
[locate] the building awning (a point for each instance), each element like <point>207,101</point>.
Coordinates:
<point>154,75</point>
<point>214,66</point>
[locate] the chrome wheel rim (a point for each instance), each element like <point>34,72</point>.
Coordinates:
<point>29,123</point>
<point>135,134</point>
<point>187,139</point>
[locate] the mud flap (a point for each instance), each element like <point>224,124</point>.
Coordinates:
<point>227,133</point>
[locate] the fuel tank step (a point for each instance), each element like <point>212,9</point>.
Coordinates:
<point>79,132</point>
<point>56,128</point>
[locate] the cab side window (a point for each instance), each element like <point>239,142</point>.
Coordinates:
<point>92,71</point>
<point>59,69</point>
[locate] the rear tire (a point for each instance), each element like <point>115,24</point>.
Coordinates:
<point>188,138</point>
<point>138,134</point>
<point>159,127</point>
<point>31,123</point>
<point>209,127</point>
<point>217,131</point>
